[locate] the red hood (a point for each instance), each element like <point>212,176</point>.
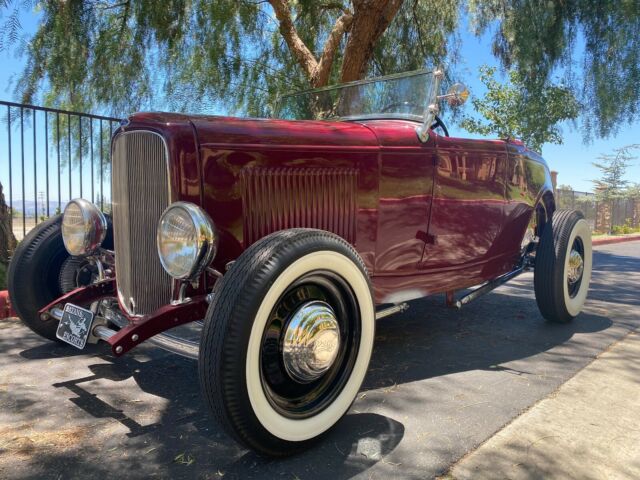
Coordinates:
<point>212,129</point>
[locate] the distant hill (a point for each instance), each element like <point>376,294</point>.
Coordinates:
<point>30,206</point>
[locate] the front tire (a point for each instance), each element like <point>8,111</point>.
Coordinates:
<point>287,340</point>
<point>563,266</point>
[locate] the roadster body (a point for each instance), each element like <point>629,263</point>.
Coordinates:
<point>282,241</point>
<point>424,217</point>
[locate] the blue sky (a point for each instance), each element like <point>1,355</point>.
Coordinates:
<point>573,160</point>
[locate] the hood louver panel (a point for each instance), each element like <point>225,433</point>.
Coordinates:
<point>281,198</point>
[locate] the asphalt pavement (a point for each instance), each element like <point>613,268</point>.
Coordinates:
<point>441,383</point>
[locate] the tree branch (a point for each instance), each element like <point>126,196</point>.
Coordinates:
<point>323,69</point>
<point>125,16</point>
<point>288,30</point>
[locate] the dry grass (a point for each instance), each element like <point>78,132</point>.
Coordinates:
<point>18,231</point>
<point>23,440</point>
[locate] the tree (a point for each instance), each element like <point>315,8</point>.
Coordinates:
<point>7,239</point>
<point>510,110</point>
<point>123,55</point>
<point>613,167</point>
<point>633,191</point>
<point>235,55</point>
<point>594,44</point>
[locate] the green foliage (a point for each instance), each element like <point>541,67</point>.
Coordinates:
<point>633,191</point>
<point>539,39</point>
<point>229,55</point>
<point>625,229</point>
<point>204,55</point>
<point>510,110</point>
<point>613,168</point>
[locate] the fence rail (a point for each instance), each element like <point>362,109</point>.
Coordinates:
<point>49,156</point>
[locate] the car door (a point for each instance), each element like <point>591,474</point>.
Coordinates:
<point>406,167</point>
<point>468,202</point>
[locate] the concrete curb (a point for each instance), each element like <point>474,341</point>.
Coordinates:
<point>620,239</point>
<point>6,310</point>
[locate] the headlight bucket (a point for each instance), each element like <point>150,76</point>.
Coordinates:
<point>186,239</point>
<point>84,227</point>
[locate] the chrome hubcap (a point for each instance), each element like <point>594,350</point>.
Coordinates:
<point>311,342</point>
<point>576,265</point>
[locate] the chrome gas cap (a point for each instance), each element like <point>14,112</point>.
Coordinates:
<point>576,265</point>
<point>311,341</point>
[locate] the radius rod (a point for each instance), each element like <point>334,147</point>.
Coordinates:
<point>488,287</point>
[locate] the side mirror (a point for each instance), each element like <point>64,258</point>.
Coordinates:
<point>457,94</point>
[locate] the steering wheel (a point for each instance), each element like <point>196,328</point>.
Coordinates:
<point>440,124</point>
<point>401,104</point>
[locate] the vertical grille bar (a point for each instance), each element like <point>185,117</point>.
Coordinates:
<point>140,195</point>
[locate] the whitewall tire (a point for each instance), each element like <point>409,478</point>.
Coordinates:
<point>274,384</point>
<point>563,266</point>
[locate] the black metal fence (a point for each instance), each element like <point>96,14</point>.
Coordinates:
<point>50,156</point>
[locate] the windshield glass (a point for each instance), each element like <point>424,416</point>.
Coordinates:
<point>405,96</point>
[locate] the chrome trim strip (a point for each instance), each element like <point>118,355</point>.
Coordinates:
<point>386,312</point>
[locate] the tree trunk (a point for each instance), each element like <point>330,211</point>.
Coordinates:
<point>7,239</point>
<point>370,20</point>
<point>364,27</point>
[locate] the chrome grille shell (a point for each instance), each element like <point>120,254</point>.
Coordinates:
<point>140,193</point>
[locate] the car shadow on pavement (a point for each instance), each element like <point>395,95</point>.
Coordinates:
<point>359,441</point>
<point>434,340</point>
<point>429,340</point>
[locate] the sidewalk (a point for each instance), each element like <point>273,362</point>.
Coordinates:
<point>588,429</point>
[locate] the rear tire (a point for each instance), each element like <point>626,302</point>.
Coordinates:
<point>563,266</point>
<point>41,271</point>
<point>243,361</point>
<point>33,275</point>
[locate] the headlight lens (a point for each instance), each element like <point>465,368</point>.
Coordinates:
<point>187,242</point>
<point>84,227</point>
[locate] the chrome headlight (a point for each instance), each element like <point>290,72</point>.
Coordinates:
<point>187,241</point>
<point>84,227</point>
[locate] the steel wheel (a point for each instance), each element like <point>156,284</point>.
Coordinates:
<point>310,344</point>
<point>575,268</point>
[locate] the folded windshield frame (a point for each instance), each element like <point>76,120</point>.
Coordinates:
<point>404,96</point>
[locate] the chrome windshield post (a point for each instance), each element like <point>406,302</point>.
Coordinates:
<point>432,107</point>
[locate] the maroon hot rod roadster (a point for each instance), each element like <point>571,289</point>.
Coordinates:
<point>277,243</point>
